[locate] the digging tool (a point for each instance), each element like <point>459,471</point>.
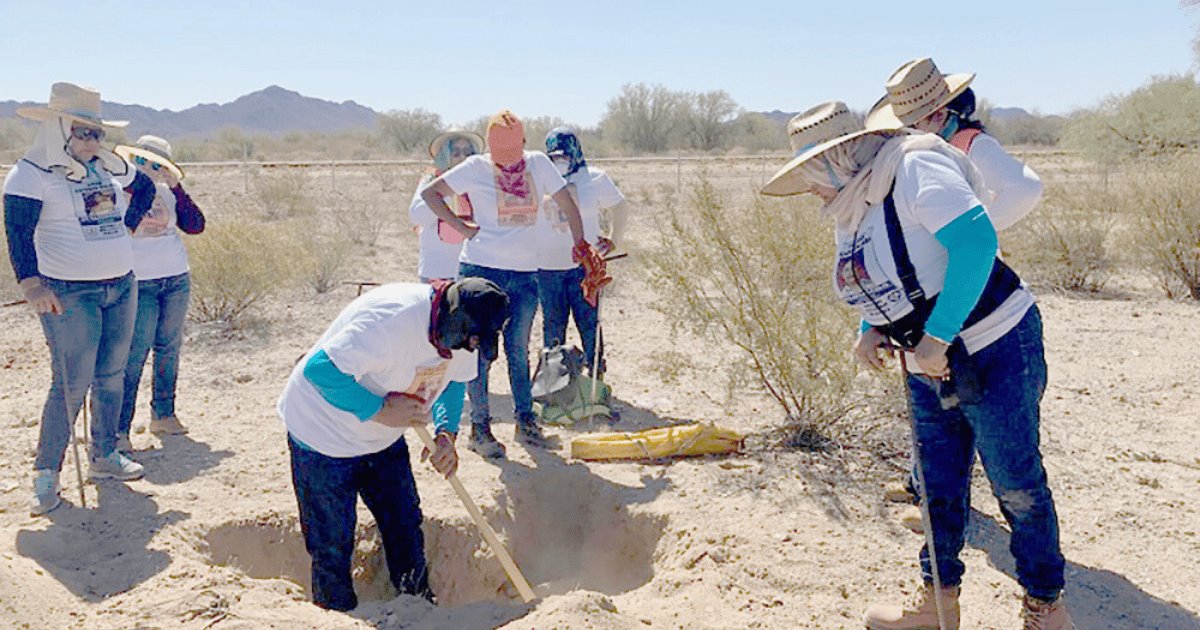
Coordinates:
<point>595,364</point>
<point>929,542</point>
<point>74,439</point>
<point>489,534</point>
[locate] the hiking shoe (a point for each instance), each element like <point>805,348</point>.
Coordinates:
<point>167,425</point>
<point>486,444</point>
<point>898,492</point>
<point>1043,615</point>
<point>45,492</point>
<point>124,446</point>
<point>911,519</point>
<point>115,465</point>
<point>919,614</point>
<point>530,434</point>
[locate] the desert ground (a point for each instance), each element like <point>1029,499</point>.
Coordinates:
<point>768,538</point>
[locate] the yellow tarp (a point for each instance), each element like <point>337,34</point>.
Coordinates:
<point>676,441</point>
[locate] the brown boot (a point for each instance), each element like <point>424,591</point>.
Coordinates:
<point>1042,615</point>
<point>918,614</point>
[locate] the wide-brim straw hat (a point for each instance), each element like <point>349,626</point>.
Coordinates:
<point>435,147</point>
<point>152,148</point>
<point>914,91</point>
<point>811,133</point>
<point>68,100</point>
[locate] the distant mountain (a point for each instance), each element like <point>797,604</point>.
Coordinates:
<point>273,111</point>
<point>778,116</point>
<point>1005,114</point>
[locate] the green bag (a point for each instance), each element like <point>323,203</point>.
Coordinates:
<point>563,392</point>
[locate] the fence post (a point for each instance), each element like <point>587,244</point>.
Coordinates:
<point>678,174</point>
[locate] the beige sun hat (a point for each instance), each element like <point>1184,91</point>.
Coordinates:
<point>811,133</point>
<point>435,147</point>
<point>914,91</point>
<point>152,148</point>
<point>68,100</point>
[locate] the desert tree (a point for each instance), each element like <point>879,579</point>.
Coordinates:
<point>408,130</point>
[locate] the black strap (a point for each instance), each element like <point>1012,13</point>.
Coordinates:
<point>904,266</point>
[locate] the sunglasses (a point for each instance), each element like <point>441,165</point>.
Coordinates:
<point>141,161</point>
<point>87,133</point>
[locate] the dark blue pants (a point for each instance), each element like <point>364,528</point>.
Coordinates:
<point>1003,428</point>
<point>562,297</point>
<point>327,489</point>
<point>162,306</point>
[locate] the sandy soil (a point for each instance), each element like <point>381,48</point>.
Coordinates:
<point>769,539</point>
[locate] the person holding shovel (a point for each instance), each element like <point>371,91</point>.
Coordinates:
<point>917,256</point>
<point>506,187</point>
<point>394,358</point>
<point>68,220</point>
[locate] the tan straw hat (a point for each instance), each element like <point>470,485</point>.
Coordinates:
<point>68,100</point>
<point>811,133</point>
<point>435,147</point>
<point>914,91</point>
<point>152,148</point>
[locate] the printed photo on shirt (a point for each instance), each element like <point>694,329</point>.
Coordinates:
<point>156,222</point>
<point>97,212</point>
<point>428,381</point>
<point>860,278</point>
<point>556,215</point>
<point>515,210</point>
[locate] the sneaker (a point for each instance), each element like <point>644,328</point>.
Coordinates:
<point>531,434</point>
<point>124,446</point>
<point>167,425</point>
<point>45,492</point>
<point>919,614</point>
<point>1043,615</point>
<point>486,444</point>
<point>911,519</point>
<point>115,466</point>
<point>898,492</point>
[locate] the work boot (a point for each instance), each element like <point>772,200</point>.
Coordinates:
<point>911,519</point>
<point>919,614</point>
<point>530,434</point>
<point>486,444</point>
<point>115,466</point>
<point>167,425</point>
<point>1043,615</point>
<point>46,490</point>
<point>898,492</point>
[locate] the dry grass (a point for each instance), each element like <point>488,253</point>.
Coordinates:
<point>237,263</point>
<point>1066,242</point>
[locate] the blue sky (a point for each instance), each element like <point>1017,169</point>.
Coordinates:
<point>464,58</point>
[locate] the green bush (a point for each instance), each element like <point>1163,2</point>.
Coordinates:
<point>1158,119</point>
<point>236,264</point>
<point>1163,201</point>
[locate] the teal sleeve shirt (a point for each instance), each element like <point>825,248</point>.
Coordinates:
<point>971,243</point>
<point>340,389</point>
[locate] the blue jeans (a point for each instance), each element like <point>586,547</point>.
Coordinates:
<point>1003,427</point>
<point>562,296</point>
<point>89,346</point>
<point>162,306</point>
<point>327,489</point>
<point>522,290</point>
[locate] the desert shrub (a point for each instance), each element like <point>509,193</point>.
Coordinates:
<point>1163,202</point>
<point>1065,242</point>
<point>283,195</point>
<point>1155,120</point>
<point>361,222</point>
<point>327,259</point>
<point>732,276</point>
<point>236,264</point>
<point>410,130</point>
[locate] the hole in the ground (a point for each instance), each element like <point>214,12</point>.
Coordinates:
<point>567,530</point>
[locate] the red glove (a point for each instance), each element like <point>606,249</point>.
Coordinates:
<point>595,271</point>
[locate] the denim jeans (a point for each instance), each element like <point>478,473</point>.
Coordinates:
<point>162,306</point>
<point>522,290</point>
<point>327,489</point>
<point>562,296</point>
<point>1003,428</point>
<point>89,346</point>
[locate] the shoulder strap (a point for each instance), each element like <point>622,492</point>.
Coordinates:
<point>963,139</point>
<point>904,266</point>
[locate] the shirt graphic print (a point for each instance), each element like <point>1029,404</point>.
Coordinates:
<point>862,282</point>
<point>96,209</point>
<point>514,210</point>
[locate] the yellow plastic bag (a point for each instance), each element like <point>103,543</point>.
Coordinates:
<point>677,441</point>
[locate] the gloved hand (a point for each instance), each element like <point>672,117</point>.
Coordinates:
<point>595,271</point>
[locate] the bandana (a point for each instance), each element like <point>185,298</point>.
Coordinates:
<point>512,180</point>
<point>564,140</point>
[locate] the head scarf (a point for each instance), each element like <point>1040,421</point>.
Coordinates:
<point>565,140</point>
<point>49,151</point>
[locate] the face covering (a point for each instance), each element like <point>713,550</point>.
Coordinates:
<point>563,166</point>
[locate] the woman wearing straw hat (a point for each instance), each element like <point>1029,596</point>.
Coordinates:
<point>68,223</point>
<point>916,255</point>
<point>950,113</point>
<point>440,244</point>
<point>160,264</point>
<point>559,276</point>
<point>506,187</point>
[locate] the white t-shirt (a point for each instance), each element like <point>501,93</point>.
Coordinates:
<point>438,258</point>
<point>158,251</point>
<point>508,231</point>
<point>1016,189</point>
<point>81,232</point>
<point>382,340</point>
<point>930,193</point>
<point>593,191</point>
